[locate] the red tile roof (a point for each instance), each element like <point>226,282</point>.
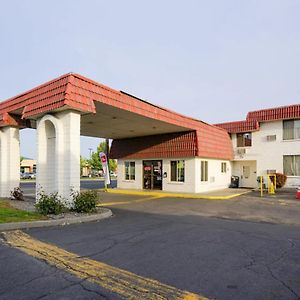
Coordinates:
<point>182,144</point>
<point>265,115</point>
<point>240,126</point>
<point>73,91</point>
<point>278,113</point>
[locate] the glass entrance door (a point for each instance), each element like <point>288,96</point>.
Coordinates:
<point>152,174</point>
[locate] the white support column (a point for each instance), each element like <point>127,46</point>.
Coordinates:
<point>70,121</point>
<point>9,160</point>
<point>58,160</point>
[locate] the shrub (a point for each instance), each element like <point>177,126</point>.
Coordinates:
<point>17,194</point>
<point>280,180</point>
<point>50,204</point>
<point>85,201</point>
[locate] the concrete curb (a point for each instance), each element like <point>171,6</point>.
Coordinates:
<point>170,195</point>
<point>65,221</point>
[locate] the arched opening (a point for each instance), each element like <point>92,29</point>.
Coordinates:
<point>47,158</point>
<point>2,167</point>
<point>58,157</point>
<point>50,151</point>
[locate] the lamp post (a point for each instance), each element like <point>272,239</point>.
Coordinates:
<point>90,152</point>
<point>90,172</point>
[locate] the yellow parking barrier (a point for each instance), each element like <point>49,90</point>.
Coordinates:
<point>271,183</point>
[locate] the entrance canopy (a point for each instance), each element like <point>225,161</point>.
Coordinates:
<point>109,113</point>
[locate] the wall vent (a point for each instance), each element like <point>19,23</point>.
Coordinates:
<point>271,138</point>
<point>241,151</point>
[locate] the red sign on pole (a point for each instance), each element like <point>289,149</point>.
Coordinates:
<point>103,159</point>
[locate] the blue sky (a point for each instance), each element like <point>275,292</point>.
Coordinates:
<point>212,60</point>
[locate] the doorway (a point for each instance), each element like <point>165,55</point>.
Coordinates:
<point>246,170</point>
<point>248,174</point>
<point>152,174</point>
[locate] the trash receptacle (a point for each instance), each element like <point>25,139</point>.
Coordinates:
<point>234,182</point>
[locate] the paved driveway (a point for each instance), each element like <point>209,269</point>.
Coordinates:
<point>248,207</point>
<point>28,186</point>
<point>170,241</point>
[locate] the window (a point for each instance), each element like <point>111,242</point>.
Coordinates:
<point>291,165</point>
<point>223,167</point>
<point>204,170</point>
<point>244,139</point>
<point>177,170</point>
<point>129,170</point>
<point>291,129</point>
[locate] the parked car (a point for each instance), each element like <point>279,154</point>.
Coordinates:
<point>33,175</point>
<point>27,175</point>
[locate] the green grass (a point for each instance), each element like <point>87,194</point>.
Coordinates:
<point>9,214</point>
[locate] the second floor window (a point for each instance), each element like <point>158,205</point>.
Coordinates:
<point>291,129</point>
<point>244,139</point>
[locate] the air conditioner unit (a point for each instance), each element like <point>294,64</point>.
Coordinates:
<point>271,138</point>
<point>241,151</point>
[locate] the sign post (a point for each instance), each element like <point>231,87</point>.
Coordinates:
<point>104,162</point>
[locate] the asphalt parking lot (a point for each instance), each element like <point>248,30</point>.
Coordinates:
<point>248,207</point>
<point>210,248</point>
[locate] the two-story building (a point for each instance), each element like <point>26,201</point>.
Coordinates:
<point>268,141</point>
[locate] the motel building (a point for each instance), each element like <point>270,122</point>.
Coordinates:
<point>267,142</point>
<point>157,149</point>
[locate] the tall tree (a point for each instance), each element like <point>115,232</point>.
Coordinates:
<point>95,161</point>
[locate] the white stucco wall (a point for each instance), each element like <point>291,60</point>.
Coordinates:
<point>58,156</point>
<point>188,186</point>
<point>9,160</point>
<point>136,184</point>
<point>216,179</point>
<point>237,170</point>
<point>269,154</point>
<point>192,182</point>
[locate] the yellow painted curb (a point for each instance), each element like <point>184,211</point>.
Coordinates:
<point>124,283</point>
<point>129,202</point>
<point>171,195</point>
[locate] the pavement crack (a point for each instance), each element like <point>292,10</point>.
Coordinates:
<point>90,290</point>
<point>40,276</point>
<point>282,282</point>
<point>81,284</point>
<point>284,253</point>
<point>56,291</point>
<point>114,243</point>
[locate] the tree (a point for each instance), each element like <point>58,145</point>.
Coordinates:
<point>95,161</point>
<point>83,162</point>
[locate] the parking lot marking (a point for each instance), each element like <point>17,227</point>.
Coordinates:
<point>121,282</point>
<point>131,201</point>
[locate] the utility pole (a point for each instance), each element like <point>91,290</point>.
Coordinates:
<point>90,152</point>
<point>90,168</point>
